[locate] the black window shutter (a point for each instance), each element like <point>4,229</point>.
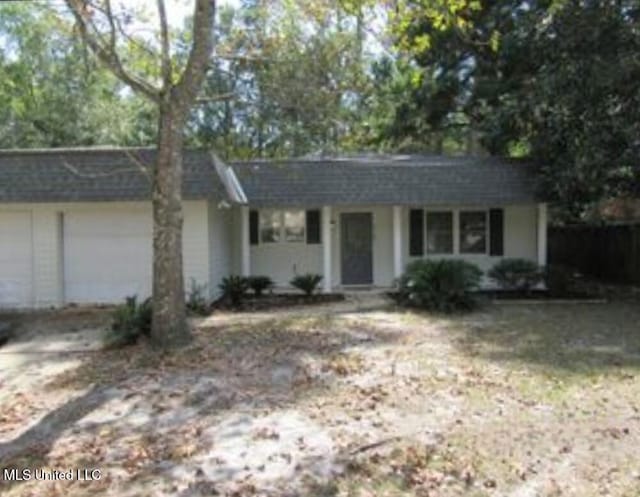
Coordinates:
<point>254,229</point>
<point>313,226</point>
<point>496,232</point>
<point>416,232</point>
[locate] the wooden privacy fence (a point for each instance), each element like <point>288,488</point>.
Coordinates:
<point>610,252</point>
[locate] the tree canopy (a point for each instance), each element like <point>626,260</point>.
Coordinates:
<point>53,93</point>
<point>553,81</point>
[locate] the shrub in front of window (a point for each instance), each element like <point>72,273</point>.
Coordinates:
<point>234,289</point>
<point>439,285</point>
<point>308,283</point>
<point>131,320</point>
<point>259,284</point>
<point>516,274</point>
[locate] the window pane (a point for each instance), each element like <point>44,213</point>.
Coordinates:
<point>270,225</point>
<point>473,232</point>
<point>294,226</point>
<point>439,232</point>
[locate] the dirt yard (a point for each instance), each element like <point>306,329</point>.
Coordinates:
<point>347,399</point>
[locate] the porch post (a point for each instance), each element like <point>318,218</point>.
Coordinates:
<point>245,248</point>
<point>326,249</point>
<point>542,235</point>
<point>397,241</point>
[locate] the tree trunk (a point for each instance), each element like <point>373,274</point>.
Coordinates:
<point>169,323</point>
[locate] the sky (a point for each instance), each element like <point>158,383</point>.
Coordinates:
<point>177,10</point>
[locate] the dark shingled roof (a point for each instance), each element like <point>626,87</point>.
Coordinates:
<point>398,179</point>
<point>92,174</point>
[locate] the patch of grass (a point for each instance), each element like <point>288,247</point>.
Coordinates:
<point>409,469</point>
<point>346,364</point>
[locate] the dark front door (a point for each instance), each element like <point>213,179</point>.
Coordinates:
<point>356,240</point>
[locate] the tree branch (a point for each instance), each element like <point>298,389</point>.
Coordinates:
<point>216,98</point>
<point>108,54</point>
<point>194,73</point>
<point>112,27</point>
<point>165,56</point>
<point>140,168</point>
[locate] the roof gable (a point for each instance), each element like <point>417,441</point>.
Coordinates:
<point>92,174</point>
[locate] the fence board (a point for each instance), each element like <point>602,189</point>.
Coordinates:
<point>610,252</point>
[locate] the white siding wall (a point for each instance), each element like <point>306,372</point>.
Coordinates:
<point>220,246</point>
<point>46,244</point>
<point>282,261</point>
<point>520,238</point>
<point>16,258</point>
<point>236,258</point>
<point>47,257</point>
<point>195,243</point>
<point>107,253</point>
<point>212,245</point>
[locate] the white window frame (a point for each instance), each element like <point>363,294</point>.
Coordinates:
<point>426,231</point>
<point>262,217</point>
<point>303,238</point>
<point>486,231</point>
<point>282,230</point>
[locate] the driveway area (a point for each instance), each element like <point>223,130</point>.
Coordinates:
<point>357,398</point>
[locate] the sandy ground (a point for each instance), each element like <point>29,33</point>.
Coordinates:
<point>355,398</point>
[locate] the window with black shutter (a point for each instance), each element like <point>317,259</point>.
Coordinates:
<point>416,232</point>
<point>254,227</point>
<point>313,227</point>
<point>496,232</point>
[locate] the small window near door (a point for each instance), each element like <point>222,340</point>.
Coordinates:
<point>473,232</point>
<point>282,226</point>
<point>270,226</point>
<point>439,232</point>
<point>294,222</point>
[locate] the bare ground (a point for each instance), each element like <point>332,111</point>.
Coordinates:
<point>349,399</point>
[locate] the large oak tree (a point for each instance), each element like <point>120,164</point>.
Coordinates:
<point>171,82</point>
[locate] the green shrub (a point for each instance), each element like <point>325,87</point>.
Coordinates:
<point>234,289</point>
<point>516,274</point>
<point>196,299</point>
<point>308,283</point>
<point>441,285</point>
<point>559,280</point>
<point>130,321</point>
<point>259,284</point>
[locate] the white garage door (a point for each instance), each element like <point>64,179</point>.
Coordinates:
<point>16,260</point>
<point>107,255</point>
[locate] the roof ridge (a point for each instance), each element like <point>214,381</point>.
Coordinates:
<point>385,161</point>
<point>53,150</point>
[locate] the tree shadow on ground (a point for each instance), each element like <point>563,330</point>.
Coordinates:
<point>30,448</point>
<point>259,365</point>
<point>576,338</point>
